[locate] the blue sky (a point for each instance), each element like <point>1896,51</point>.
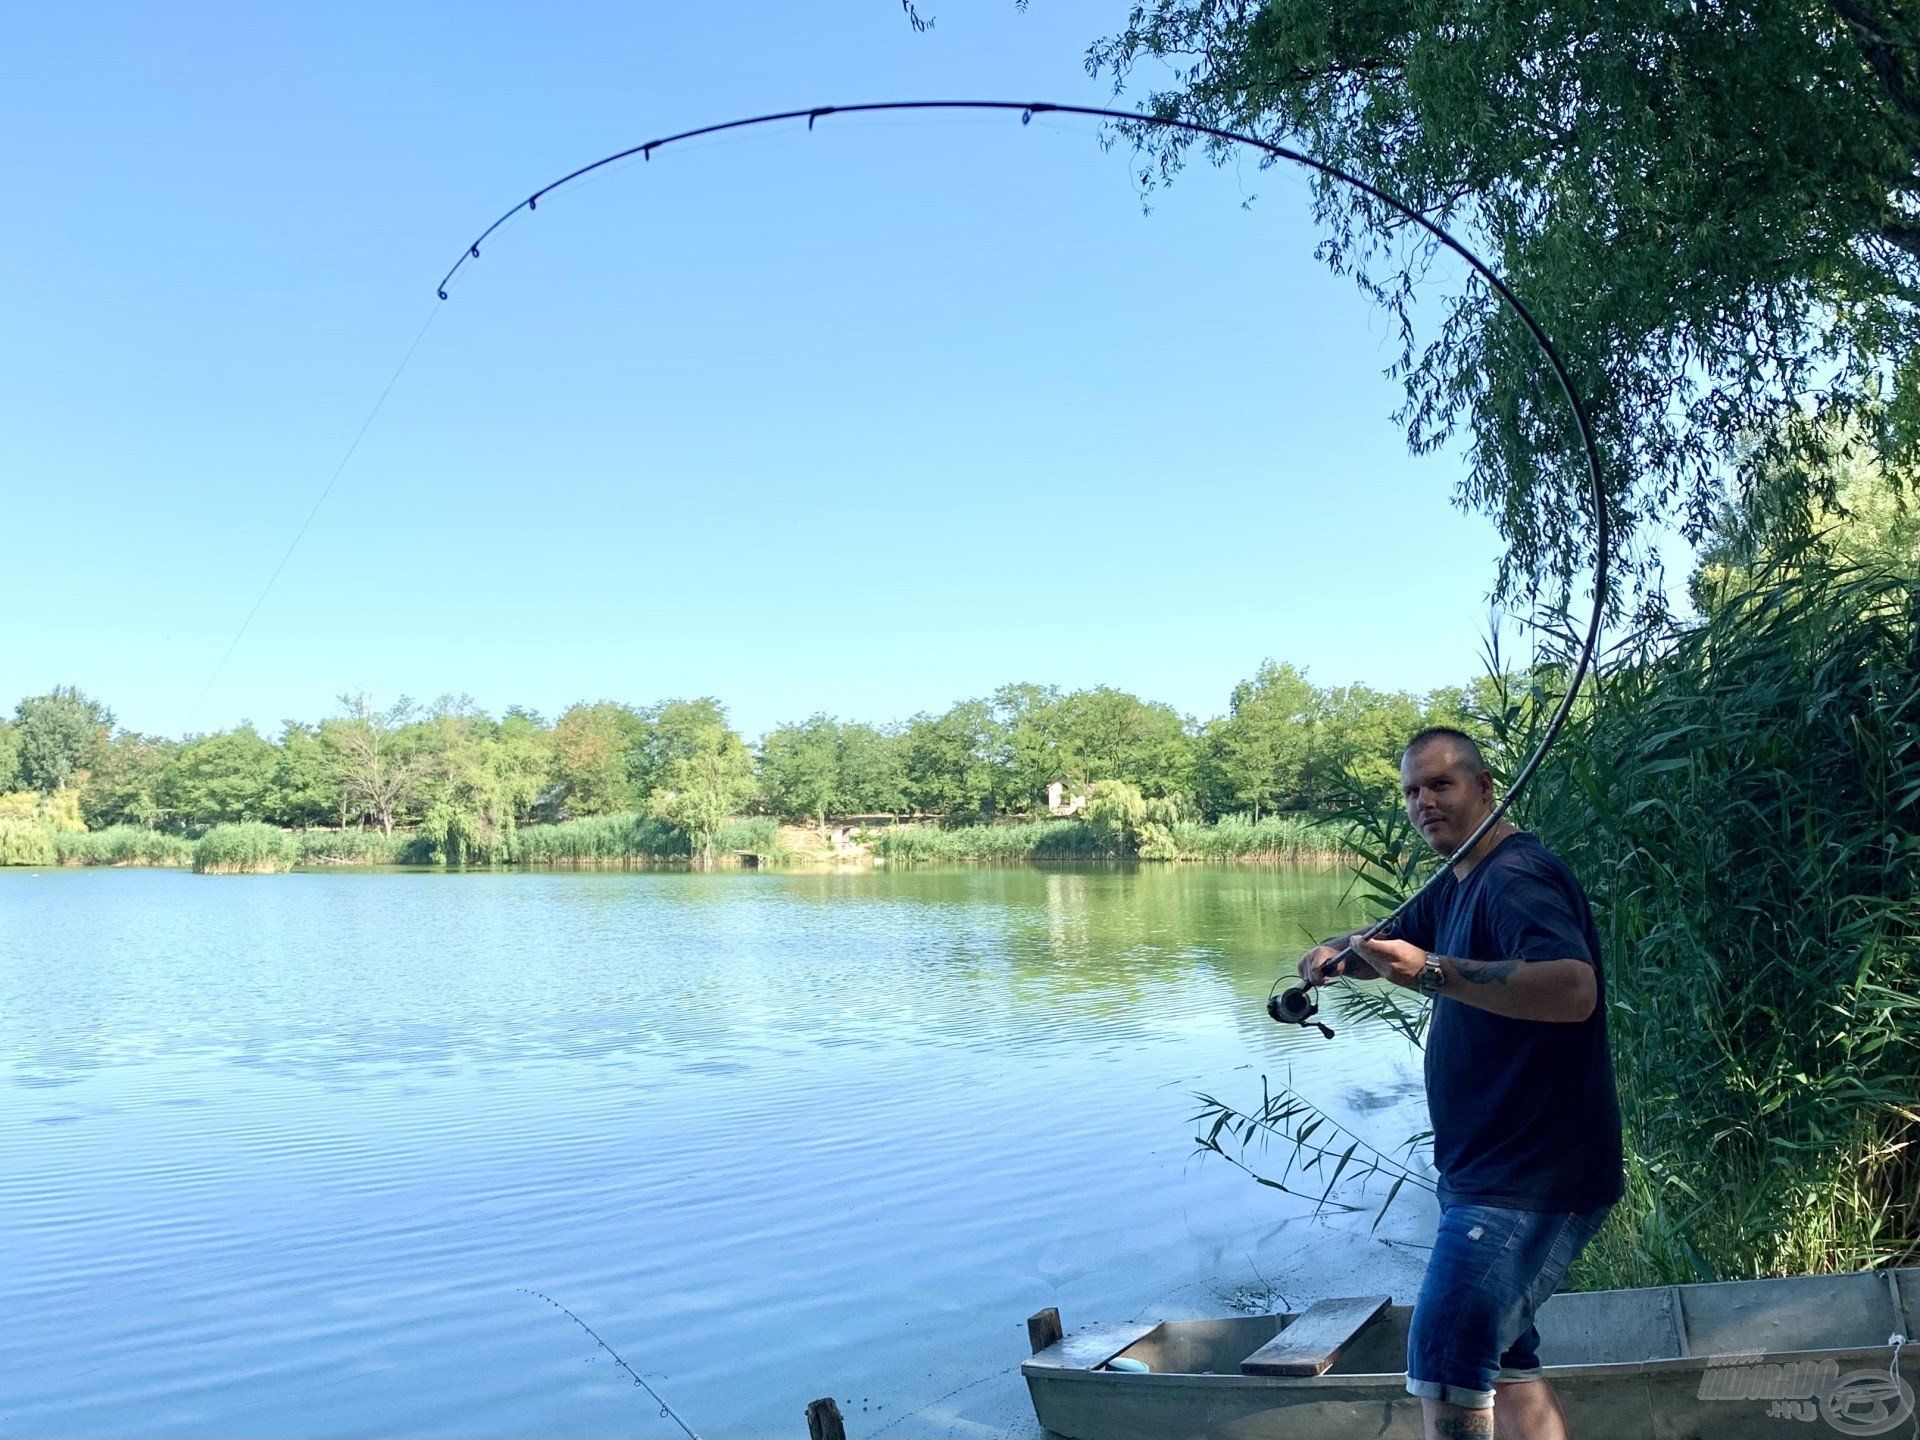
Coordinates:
<point>862,421</point>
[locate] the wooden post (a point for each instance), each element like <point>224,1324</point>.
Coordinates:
<point>824,1422</point>
<point>1043,1329</point>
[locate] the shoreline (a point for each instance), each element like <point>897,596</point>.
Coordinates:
<point>748,843</point>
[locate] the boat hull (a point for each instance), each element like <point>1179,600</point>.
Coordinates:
<point>1730,1361</point>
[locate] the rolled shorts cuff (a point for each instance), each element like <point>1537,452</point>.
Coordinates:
<point>1513,1375</point>
<point>1459,1395</point>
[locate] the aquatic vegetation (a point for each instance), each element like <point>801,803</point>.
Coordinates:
<point>1271,839</point>
<point>123,845</point>
<point>1005,844</point>
<point>35,842</point>
<point>1744,804</point>
<point>360,846</point>
<point>639,839</point>
<point>250,848</point>
<point>1277,838</point>
<point>27,842</point>
<point>1741,799</point>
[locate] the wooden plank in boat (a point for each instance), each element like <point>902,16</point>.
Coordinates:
<point>1314,1341</point>
<point>1090,1348</point>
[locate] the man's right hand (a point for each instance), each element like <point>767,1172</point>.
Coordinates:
<point>1314,964</point>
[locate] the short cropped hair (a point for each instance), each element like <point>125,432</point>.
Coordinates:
<point>1465,744</point>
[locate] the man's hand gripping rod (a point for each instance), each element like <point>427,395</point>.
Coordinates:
<point>1296,1005</point>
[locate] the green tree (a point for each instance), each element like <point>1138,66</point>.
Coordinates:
<point>526,762</point>
<point>1265,745</point>
<point>948,760</point>
<point>1027,747</point>
<point>872,770</point>
<point>1713,209</point>
<point>125,785</point>
<point>1363,732</point>
<point>377,772</point>
<point>1108,734</point>
<point>1870,517</point>
<point>674,730</point>
<point>60,736</point>
<point>705,772</point>
<point>478,782</point>
<point>9,757</point>
<point>596,749</point>
<point>305,789</point>
<point>800,769</point>
<point>220,778</point>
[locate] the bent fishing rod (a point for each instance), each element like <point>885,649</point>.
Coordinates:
<point>1296,1005</point>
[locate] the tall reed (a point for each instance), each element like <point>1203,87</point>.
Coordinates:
<point>355,847</point>
<point>1290,839</point>
<point>614,840</point>
<point>1743,802</point>
<point>1273,838</point>
<point>1002,844</point>
<point>27,842</point>
<point>123,845</point>
<point>245,849</point>
<point>1740,796</point>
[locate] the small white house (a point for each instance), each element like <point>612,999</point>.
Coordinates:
<point>1065,799</point>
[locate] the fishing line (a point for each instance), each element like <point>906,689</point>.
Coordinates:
<point>665,1409</point>
<point>1297,1005</point>
<point>321,499</point>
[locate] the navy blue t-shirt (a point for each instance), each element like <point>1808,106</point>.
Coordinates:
<point>1524,1111</point>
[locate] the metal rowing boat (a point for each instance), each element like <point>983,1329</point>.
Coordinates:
<point>1728,1361</point>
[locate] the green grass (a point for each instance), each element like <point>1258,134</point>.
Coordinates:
<point>1234,838</point>
<point>633,839</point>
<point>1744,805</point>
<point>1740,797</point>
<point>600,840</point>
<point>246,849</point>
<point>1002,844</point>
<point>1272,838</point>
<point>759,834</point>
<point>123,845</point>
<point>354,847</point>
<point>27,842</point>
<point>256,848</point>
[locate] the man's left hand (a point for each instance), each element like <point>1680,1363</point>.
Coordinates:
<point>1397,960</point>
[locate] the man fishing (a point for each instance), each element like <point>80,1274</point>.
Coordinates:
<point>1526,1124</point>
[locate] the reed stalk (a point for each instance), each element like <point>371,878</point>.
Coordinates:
<point>244,849</point>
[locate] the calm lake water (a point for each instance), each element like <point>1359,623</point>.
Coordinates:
<point>281,1155</point>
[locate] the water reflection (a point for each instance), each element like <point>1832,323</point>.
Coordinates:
<point>276,1152</point>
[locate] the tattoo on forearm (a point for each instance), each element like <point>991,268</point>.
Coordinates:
<point>1464,1424</point>
<point>1486,972</point>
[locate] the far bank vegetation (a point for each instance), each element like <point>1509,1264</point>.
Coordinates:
<point>674,783</point>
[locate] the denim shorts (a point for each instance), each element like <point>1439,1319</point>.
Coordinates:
<point>1491,1269</point>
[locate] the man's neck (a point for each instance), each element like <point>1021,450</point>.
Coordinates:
<point>1493,837</point>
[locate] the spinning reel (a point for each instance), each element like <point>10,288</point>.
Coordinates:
<point>1297,1005</point>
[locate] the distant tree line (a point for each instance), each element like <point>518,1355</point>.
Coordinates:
<point>462,776</point>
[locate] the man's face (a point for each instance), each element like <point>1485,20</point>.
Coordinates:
<point>1445,797</point>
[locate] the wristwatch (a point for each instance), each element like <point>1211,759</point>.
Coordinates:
<point>1432,979</point>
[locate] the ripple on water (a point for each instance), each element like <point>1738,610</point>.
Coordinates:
<point>278,1157</point>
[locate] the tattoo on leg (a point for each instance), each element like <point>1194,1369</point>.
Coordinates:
<point>1485,972</point>
<point>1457,1423</point>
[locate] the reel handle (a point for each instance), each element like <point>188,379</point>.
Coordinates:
<point>1296,1004</point>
